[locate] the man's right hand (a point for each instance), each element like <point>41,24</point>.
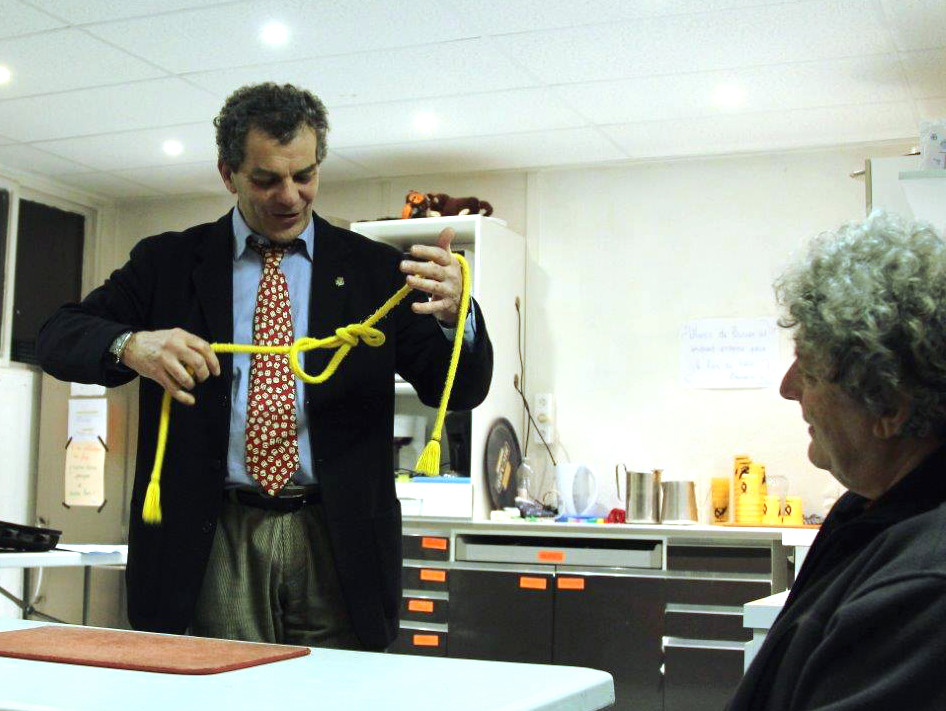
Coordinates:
<point>175,359</point>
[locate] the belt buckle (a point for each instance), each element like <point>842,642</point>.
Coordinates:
<point>291,491</point>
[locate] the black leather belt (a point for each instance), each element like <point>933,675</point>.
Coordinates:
<point>290,498</point>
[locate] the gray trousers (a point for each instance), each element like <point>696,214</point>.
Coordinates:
<point>271,578</point>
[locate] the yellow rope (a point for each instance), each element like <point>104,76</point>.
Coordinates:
<point>345,338</point>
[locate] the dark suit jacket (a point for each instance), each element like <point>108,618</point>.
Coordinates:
<point>184,279</point>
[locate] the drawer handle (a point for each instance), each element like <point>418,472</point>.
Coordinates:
<point>571,583</point>
<point>437,544</point>
<point>433,576</point>
<point>420,605</point>
<point>426,640</point>
<point>529,583</point>
<point>551,556</point>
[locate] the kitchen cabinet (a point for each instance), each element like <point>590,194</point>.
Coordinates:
<point>497,262</point>
<point>704,640</point>
<point>658,607</point>
<point>598,616</point>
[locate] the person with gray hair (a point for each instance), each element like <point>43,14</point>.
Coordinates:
<point>863,625</point>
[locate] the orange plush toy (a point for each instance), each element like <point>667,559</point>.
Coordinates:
<point>416,205</point>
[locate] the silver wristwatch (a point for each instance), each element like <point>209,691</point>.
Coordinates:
<point>118,346</point>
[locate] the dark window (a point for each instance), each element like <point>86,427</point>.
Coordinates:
<point>4,216</point>
<point>49,246</point>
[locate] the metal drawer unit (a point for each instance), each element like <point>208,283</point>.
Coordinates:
<point>704,640</point>
<point>424,600</point>
<point>551,550</point>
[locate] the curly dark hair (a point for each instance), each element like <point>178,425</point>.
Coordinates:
<point>278,110</point>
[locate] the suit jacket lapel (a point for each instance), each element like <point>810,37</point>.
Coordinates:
<point>213,280</point>
<point>328,295</point>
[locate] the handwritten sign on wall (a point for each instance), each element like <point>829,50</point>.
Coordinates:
<point>85,473</point>
<point>729,353</point>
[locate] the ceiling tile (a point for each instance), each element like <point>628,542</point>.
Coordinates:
<point>756,36</point>
<point>138,149</point>
<point>926,71</point>
<point>768,131</point>
<point>872,79</point>
<point>194,41</point>
<point>158,102</point>
<point>23,157</point>
<point>504,17</point>
<point>186,179</point>
<point>107,184</point>
<point>513,111</point>
<point>63,60</point>
<point>335,168</point>
<point>84,11</point>
<point>462,67</point>
<point>543,148</point>
<point>916,24</point>
<point>20,19</point>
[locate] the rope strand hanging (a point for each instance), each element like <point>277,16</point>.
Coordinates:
<point>345,338</point>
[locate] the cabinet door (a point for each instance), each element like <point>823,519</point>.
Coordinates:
<point>500,615</point>
<point>613,623</point>
<point>701,675</point>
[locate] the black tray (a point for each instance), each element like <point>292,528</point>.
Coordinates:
<point>30,539</point>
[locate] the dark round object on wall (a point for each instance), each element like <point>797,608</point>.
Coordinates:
<point>502,459</point>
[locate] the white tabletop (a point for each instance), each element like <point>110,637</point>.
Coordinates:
<point>760,614</point>
<point>77,555</point>
<point>328,680</point>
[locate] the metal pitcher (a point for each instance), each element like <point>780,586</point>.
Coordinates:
<point>641,494</point>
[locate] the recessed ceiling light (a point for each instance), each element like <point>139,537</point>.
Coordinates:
<point>729,96</point>
<point>275,33</point>
<point>173,147</point>
<point>425,121</point>
<point>5,75</point>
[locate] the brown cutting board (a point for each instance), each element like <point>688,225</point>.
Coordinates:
<point>142,651</point>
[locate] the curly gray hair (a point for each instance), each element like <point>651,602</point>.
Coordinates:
<point>869,304</point>
<point>278,110</point>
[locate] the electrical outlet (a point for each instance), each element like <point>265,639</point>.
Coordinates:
<point>543,412</point>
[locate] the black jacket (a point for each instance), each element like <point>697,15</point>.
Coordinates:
<point>864,626</point>
<point>185,279</point>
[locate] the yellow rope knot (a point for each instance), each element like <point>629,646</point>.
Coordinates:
<point>345,338</point>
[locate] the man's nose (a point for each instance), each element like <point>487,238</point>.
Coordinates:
<point>287,194</point>
<point>789,388</point>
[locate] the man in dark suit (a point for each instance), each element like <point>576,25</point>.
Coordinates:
<point>314,559</point>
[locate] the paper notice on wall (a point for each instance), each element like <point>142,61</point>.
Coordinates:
<point>88,418</point>
<point>86,390</point>
<point>85,473</point>
<point>729,353</point>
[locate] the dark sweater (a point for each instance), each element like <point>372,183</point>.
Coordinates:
<point>864,626</point>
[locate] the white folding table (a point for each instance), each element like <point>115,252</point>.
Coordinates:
<point>326,679</point>
<point>85,556</point>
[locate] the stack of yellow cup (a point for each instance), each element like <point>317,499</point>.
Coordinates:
<point>750,488</point>
<point>719,497</point>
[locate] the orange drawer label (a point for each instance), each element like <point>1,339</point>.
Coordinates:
<point>552,556</point>
<point>533,583</point>
<point>571,583</point>
<point>433,576</point>
<point>426,640</point>
<point>438,544</point>
<point>420,605</point>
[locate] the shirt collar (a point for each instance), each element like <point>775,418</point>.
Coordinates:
<point>242,232</point>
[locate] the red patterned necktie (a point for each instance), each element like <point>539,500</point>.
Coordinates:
<point>272,445</point>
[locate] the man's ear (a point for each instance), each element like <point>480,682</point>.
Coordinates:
<point>891,425</point>
<point>227,174</point>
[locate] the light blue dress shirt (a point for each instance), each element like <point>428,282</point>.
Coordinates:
<point>247,270</point>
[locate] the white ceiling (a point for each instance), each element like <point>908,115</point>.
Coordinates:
<point>98,85</point>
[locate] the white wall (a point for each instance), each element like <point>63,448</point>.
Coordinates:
<point>619,258</point>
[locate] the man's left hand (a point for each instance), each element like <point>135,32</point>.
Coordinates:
<point>439,277</point>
